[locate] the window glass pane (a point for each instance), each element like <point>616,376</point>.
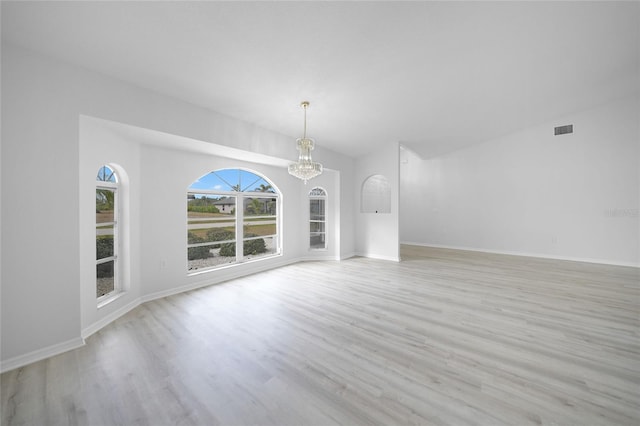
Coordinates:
<point>260,206</point>
<point>317,192</point>
<point>259,228</point>
<point>248,181</point>
<point>215,181</point>
<point>105,205</point>
<point>259,246</point>
<point>205,205</point>
<point>259,216</point>
<point>317,240</point>
<point>316,209</point>
<point>253,183</point>
<point>210,218</point>
<point>105,174</point>
<point>208,256</point>
<point>316,227</point>
<point>105,278</point>
<point>231,177</point>
<point>210,234</point>
<point>232,180</point>
<point>210,206</point>
<point>104,243</point>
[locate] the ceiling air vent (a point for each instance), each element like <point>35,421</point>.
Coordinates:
<point>563,130</point>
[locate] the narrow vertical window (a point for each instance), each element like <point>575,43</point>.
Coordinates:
<point>107,282</point>
<point>317,219</point>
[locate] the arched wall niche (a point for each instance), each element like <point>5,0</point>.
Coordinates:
<point>376,195</point>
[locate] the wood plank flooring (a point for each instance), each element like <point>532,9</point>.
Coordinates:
<point>443,337</point>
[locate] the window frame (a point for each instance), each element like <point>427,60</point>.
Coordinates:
<point>324,198</point>
<point>240,221</point>
<point>116,223</point>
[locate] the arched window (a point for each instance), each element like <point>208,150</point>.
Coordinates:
<point>107,235</point>
<point>232,217</point>
<point>317,219</point>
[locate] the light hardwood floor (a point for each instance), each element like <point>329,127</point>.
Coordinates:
<point>443,337</point>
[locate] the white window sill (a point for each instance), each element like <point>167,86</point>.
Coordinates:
<point>106,299</point>
<point>232,265</point>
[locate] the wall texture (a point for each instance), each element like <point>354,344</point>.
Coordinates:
<point>572,196</point>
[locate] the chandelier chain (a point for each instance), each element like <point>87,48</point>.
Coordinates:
<point>304,106</point>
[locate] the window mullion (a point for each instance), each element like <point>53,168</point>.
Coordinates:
<point>105,260</point>
<point>239,227</point>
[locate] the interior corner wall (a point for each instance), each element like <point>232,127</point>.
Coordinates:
<point>40,274</point>
<point>43,101</point>
<point>573,196</point>
<point>377,234</point>
<point>343,207</point>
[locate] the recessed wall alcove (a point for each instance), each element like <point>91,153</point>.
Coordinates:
<point>376,195</point>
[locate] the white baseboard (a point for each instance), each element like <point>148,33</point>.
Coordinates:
<point>524,254</point>
<point>40,354</point>
<point>378,257</point>
<point>321,258</point>
<point>108,319</point>
<point>347,255</point>
<point>211,279</point>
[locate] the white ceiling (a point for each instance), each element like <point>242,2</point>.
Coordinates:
<point>435,76</point>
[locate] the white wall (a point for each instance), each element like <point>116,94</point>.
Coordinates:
<point>377,234</point>
<point>572,196</point>
<point>45,293</point>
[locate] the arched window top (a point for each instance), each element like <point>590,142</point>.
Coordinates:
<point>106,174</point>
<point>317,192</point>
<point>232,180</point>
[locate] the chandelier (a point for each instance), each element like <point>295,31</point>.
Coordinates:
<point>305,168</point>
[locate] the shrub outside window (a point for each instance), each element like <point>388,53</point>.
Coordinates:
<point>107,204</point>
<point>317,219</point>
<point>232,217</point>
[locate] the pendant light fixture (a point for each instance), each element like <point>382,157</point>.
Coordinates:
<point>305,168</point>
